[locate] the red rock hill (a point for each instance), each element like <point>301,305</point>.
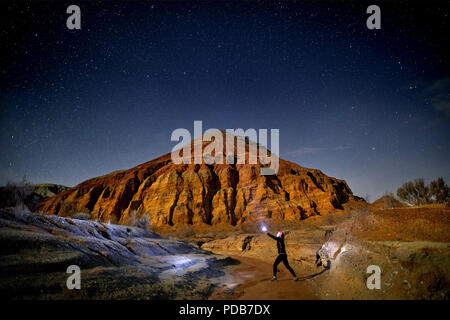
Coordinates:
<point>177,195</point>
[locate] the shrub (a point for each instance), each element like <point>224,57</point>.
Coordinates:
<point>414,192</point>
<point>417,193</point>
<point>139,221</point>
<point>16,194</point>
<point>143,222</point>
<point>20,211</point>
<point>439,191</point>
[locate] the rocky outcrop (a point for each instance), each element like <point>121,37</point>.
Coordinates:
<point>409,245</point>
<point>116,262</point>
<point>203,194</point>
<point>46,190</point>
<point>388,201</point>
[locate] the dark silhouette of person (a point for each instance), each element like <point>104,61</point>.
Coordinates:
<point>282,256</point>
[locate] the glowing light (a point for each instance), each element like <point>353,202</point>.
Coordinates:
<point>181,261</point>
<point>264,228</point>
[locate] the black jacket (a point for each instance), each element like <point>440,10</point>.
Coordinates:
<point>280,243</point>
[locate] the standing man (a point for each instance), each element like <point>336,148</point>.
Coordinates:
<point>282,256</point>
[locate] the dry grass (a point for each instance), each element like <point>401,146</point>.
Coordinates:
<point>405,224</point>
<point>430,205</point>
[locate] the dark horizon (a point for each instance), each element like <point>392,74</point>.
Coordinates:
<point>371,107</point>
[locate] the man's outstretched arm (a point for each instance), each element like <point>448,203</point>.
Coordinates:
<point>272,236</point>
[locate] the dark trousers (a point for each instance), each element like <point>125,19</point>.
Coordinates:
<point>282,258</point>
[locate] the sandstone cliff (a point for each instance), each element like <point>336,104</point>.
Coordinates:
<point>206,194</point>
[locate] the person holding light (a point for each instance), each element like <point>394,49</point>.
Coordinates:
<point>282,255</point>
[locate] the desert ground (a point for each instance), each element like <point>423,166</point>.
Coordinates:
<point>410,245</point>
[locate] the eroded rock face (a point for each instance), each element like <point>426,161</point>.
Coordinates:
<point>206,194</point>
<point>409,245</point>
<point>116,262</point>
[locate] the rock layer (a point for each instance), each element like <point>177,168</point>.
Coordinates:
<point>203,194</point>
<point>116,262</point>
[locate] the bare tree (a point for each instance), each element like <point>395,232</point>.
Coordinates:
<point>414,192</point>
<point>439,191</point>
<point>417,193</point>
<point>16,194</point>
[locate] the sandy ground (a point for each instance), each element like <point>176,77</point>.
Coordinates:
<point>252,282</point>
<point>410,246</point>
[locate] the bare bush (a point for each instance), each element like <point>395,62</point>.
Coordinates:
<point>16,194</point>
<point>140,221</point>
<point>414,192</point>
<point>20,210</point>
<point>143,222</point>
<point>417,193</point>
<point>439,191</point>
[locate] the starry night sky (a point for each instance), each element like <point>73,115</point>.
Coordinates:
<point>368,106</point>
